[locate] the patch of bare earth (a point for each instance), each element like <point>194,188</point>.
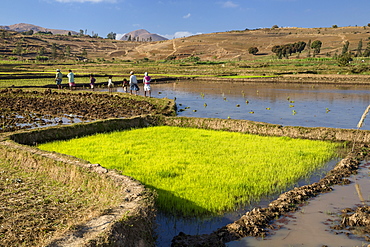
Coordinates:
<point>30,109</point>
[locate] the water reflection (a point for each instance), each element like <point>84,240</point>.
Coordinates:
<point>286,104</point>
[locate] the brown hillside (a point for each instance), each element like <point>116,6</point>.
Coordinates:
<point>214,46</point>
<point>22,27</point>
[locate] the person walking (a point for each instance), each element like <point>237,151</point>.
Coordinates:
<point>92,82</point>
<point>110,84</point>
<point>125,85</point>
<point>133,83</point>
<point>146,81</point>
<point>58,79</point>
<point>71,80</point>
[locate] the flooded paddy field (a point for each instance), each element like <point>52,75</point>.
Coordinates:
<point>287,105</point>
<point>307,105</point>
<point>334,106</point>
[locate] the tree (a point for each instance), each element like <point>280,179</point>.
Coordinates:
<point>344,59</point>
<point>111,35</point>
<point>299,46</point>
<point>18,49</point>
<point>253,50</point>
<point>316,45</point>
<point>359,49</point>
<point>42,51</point>
<point>68,50</point>
<point>278,50</point>
<point>81,32</point>
<point>29,32</point>
<point>345,47</point>
<point>84,52</point>
<point>54,51</point>
<point>367,50</point>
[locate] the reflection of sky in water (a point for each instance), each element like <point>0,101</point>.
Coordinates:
<point>345,104</point>
<point>314,106</point>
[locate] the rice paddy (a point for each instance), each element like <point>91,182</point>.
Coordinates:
<point>202,172</point>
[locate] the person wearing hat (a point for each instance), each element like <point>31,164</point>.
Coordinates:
<point>133,83</point>
<point>146,81</point>
<point>58,79</point>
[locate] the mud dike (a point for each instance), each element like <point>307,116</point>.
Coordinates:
<point>256,222</point>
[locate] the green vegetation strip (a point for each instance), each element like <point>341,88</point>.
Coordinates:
<point>42,198</point>
<point>198,172</point>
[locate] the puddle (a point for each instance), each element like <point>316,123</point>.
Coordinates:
<point>310,225</point>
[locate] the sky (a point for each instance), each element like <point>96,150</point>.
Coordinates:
<point>180,18</point>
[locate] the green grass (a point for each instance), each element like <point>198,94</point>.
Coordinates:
<point>26,82</point>
<point>199,172</point>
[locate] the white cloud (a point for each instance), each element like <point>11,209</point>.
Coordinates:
<point>119,36</point>
<point>229,4</point>
<point>186,16</point>
<point>180,34</point>
<point>86,1</point>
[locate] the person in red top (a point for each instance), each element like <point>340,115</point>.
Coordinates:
<point>146,81</point>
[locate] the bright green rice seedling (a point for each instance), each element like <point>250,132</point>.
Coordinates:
<point>198,171</point>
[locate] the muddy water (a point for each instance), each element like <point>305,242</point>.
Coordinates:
<point>285,104</point>
<point>169,226</point>
<point>289,105</point>
<point>310,226</point>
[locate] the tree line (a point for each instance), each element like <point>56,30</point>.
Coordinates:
<point>286,50</point>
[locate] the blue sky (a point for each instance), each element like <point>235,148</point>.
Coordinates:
<point>178,18</point>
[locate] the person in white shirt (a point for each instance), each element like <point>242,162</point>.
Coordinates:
<point>71,80</point>
<point>110,84</point>
<point>133,83</point>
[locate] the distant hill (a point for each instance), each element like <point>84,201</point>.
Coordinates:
<point>23,27</point>
<point>232,45</point>
<point>142,35</point>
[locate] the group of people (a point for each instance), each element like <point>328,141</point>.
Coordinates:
<point>132,84</point>
<point>128,86</point>
<point>59,79</point>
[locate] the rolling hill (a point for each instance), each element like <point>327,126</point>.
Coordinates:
<point>23,27</point>
<point>142,35</point>
<point>232,45</point>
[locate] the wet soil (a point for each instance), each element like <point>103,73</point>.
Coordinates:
<point>30,109</point>
<point>258,221</point>
<point>48,108</point>
<point>322,220</point>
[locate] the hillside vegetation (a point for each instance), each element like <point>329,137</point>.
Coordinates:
<point>232,45</point>
<point>329,55</point>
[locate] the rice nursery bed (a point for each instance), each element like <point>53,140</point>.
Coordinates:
<point>202,172</point>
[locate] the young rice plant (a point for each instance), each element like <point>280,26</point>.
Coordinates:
<point>199,172</point>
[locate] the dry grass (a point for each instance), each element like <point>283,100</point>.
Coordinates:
<point>231,45</point>
<point>41,198</point>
